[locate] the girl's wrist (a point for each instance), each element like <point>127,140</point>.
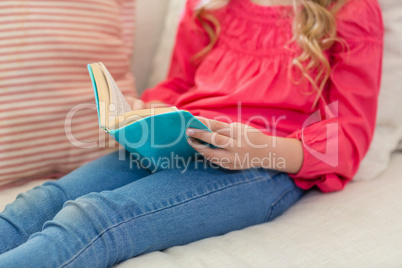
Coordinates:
<point>282,154</point>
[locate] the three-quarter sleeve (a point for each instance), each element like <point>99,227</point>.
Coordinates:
<point>191,38</point>
<point>336,140</point>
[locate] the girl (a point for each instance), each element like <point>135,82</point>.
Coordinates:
<point>258,70</point>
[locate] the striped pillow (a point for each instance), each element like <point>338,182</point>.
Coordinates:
<point>45,46</point>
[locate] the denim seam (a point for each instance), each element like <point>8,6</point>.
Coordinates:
<point>68,196</point>
<point>158,210</point>
<point>271,209</point>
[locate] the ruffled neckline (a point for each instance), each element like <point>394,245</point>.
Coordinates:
<point>250,8</point>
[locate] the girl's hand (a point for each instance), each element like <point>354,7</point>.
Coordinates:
<point>243,147</point>
<point>240,146</point>
<point>138,104</point>
<point>156,104</point>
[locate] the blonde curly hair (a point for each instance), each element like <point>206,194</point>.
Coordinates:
<point>314,30</point>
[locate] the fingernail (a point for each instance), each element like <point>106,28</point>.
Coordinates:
<point>190,132</point>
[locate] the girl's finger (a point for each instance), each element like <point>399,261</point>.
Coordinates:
<point>138,104</point>
<point>155,104</point>
<point>218,126</point>
<point>206,151</point>
<point>213,138</point>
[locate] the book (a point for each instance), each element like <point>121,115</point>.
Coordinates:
<point>152,136</point>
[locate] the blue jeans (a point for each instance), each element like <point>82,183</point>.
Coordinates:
<point>110,210</point>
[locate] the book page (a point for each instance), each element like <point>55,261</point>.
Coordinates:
<point>116,97</point>
<point>133,116</point>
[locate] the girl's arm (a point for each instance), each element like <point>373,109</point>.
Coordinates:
<point>334,147</point>
<point>245,147</point>
<point>190,39</point>
<point>327,151</point>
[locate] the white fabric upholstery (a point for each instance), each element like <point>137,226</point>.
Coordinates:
<point>161,61</point>
<point>390,112</point>
<point>385,141</point>
<point>150,16</point>
<point>358,227</point>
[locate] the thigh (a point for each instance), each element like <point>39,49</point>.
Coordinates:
<point>176,207</point>
<point>188,205</point>
<point>165,209</point>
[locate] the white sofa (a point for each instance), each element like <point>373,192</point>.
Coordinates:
<point>358,227</point>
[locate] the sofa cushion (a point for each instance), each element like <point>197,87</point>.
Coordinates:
<point>45,47</point>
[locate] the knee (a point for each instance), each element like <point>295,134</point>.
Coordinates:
<point>49,192</point>
<point>39,192</point>
<point>87,212</point>
<point>84,207</point>
<point>45,196</point>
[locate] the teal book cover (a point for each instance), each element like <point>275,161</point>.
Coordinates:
<point>155,139</point>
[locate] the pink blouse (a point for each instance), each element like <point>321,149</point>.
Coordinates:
<point>247,77</point>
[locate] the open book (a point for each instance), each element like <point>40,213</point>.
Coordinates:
<point>152,136</point>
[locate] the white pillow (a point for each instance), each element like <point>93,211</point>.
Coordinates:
<point>389,119</point>
<point>44,82</point>
<point>376,161</point>
<point>150,18</point>
<point>162,58</point>
<point>390,112</point>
